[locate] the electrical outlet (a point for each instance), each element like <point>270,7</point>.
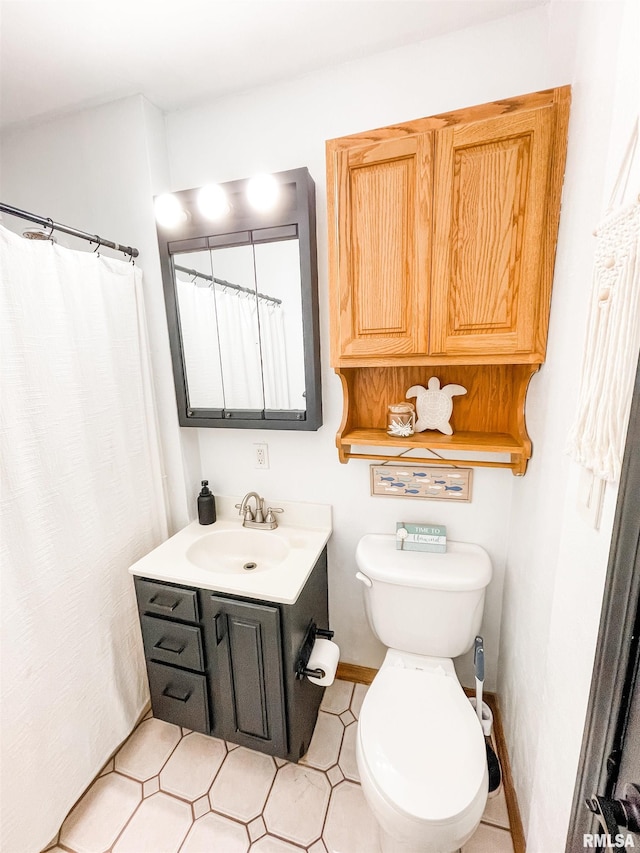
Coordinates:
<point>261,456</point>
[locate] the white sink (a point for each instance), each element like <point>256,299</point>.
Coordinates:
<point>239,551</point>
<point>220,556</point>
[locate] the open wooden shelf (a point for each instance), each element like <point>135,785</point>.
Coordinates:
<point>488,419</point>
<point>485,442</point>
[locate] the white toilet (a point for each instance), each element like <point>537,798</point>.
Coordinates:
<point>420,747</point>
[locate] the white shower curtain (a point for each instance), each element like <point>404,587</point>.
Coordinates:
<point>234,348</point>
<point>200,344</point>
<point>82,499</point>
<point>275,368</point>
<point>240,350</point>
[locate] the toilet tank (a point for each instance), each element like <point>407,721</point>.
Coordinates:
<point>421,602</point>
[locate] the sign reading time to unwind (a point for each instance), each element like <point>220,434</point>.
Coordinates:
<point>421,537</point>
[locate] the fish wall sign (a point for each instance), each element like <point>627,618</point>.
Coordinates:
<point>422,481</point>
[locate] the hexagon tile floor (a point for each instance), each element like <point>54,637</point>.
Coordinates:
<point>170,790</point>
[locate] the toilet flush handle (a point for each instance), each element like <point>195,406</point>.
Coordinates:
<point>364,579</point>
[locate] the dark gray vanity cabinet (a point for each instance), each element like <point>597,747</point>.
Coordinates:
<point>226,665</point>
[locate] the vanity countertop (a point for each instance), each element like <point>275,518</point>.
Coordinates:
<point>303,531</point>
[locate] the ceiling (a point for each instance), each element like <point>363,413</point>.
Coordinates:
<point>57,55</point>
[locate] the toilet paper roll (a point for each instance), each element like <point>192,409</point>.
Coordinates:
<point>324,655</point>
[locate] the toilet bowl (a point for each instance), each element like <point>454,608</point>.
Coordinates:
<point>420,747</point>
<point>421,755</point>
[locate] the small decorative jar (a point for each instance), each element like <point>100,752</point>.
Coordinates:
<point>401,419</point>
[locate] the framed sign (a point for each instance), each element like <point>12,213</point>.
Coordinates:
<point>422,481</point>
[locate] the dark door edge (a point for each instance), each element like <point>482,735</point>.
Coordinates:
<point>610,688</point>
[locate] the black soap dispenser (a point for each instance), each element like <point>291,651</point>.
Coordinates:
<point>206,505</point>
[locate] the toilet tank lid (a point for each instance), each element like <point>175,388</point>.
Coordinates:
<point>463,567</point>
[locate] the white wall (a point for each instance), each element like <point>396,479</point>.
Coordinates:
<point>285,126</point>
<point>556,562</point>
<point>97,171</point>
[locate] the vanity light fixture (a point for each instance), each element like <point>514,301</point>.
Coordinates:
<point>263,192</point>
<point>169,212</point>
<point>213,202</point>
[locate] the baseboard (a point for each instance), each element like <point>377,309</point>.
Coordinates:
<point>515,821</point>
<point>365,675</point>
<point>353,672</point>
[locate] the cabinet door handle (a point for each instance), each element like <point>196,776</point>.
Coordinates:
<point>180,697</point>
<point>167,646</point>
<point>157,601</point>
<point>218,621</point>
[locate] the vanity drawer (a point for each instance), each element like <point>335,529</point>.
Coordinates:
<point>172,601</point>
<point>179,697</point>
<point>172,642</point>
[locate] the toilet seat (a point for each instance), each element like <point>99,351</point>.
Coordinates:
<point>422,743</point>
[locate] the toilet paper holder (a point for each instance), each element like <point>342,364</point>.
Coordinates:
<point>302,671</point>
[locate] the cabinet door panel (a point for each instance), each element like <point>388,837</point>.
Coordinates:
<point>246,680</point>
<point>490,197</point>
<point>248,657</point>
<point>383,236</point>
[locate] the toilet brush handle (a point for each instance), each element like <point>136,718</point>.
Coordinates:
<point>477,644</point>
<point>479,662</point>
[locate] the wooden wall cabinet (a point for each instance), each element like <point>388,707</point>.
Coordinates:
<point>442,235</point>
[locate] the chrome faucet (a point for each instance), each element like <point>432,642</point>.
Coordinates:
<point>257,519</point>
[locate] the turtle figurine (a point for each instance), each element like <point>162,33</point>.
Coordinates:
<point>434,405</point>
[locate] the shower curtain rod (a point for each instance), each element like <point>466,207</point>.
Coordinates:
<point>228,284</point>
<point>55,226</point>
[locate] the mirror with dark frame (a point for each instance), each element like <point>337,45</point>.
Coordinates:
<point>242,306</point>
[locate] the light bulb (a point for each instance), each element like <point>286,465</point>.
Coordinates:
<point>263,192</point>
<point>213,202</point>
<point>169,211</point>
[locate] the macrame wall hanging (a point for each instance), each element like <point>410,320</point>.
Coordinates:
<point>597,437</point>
